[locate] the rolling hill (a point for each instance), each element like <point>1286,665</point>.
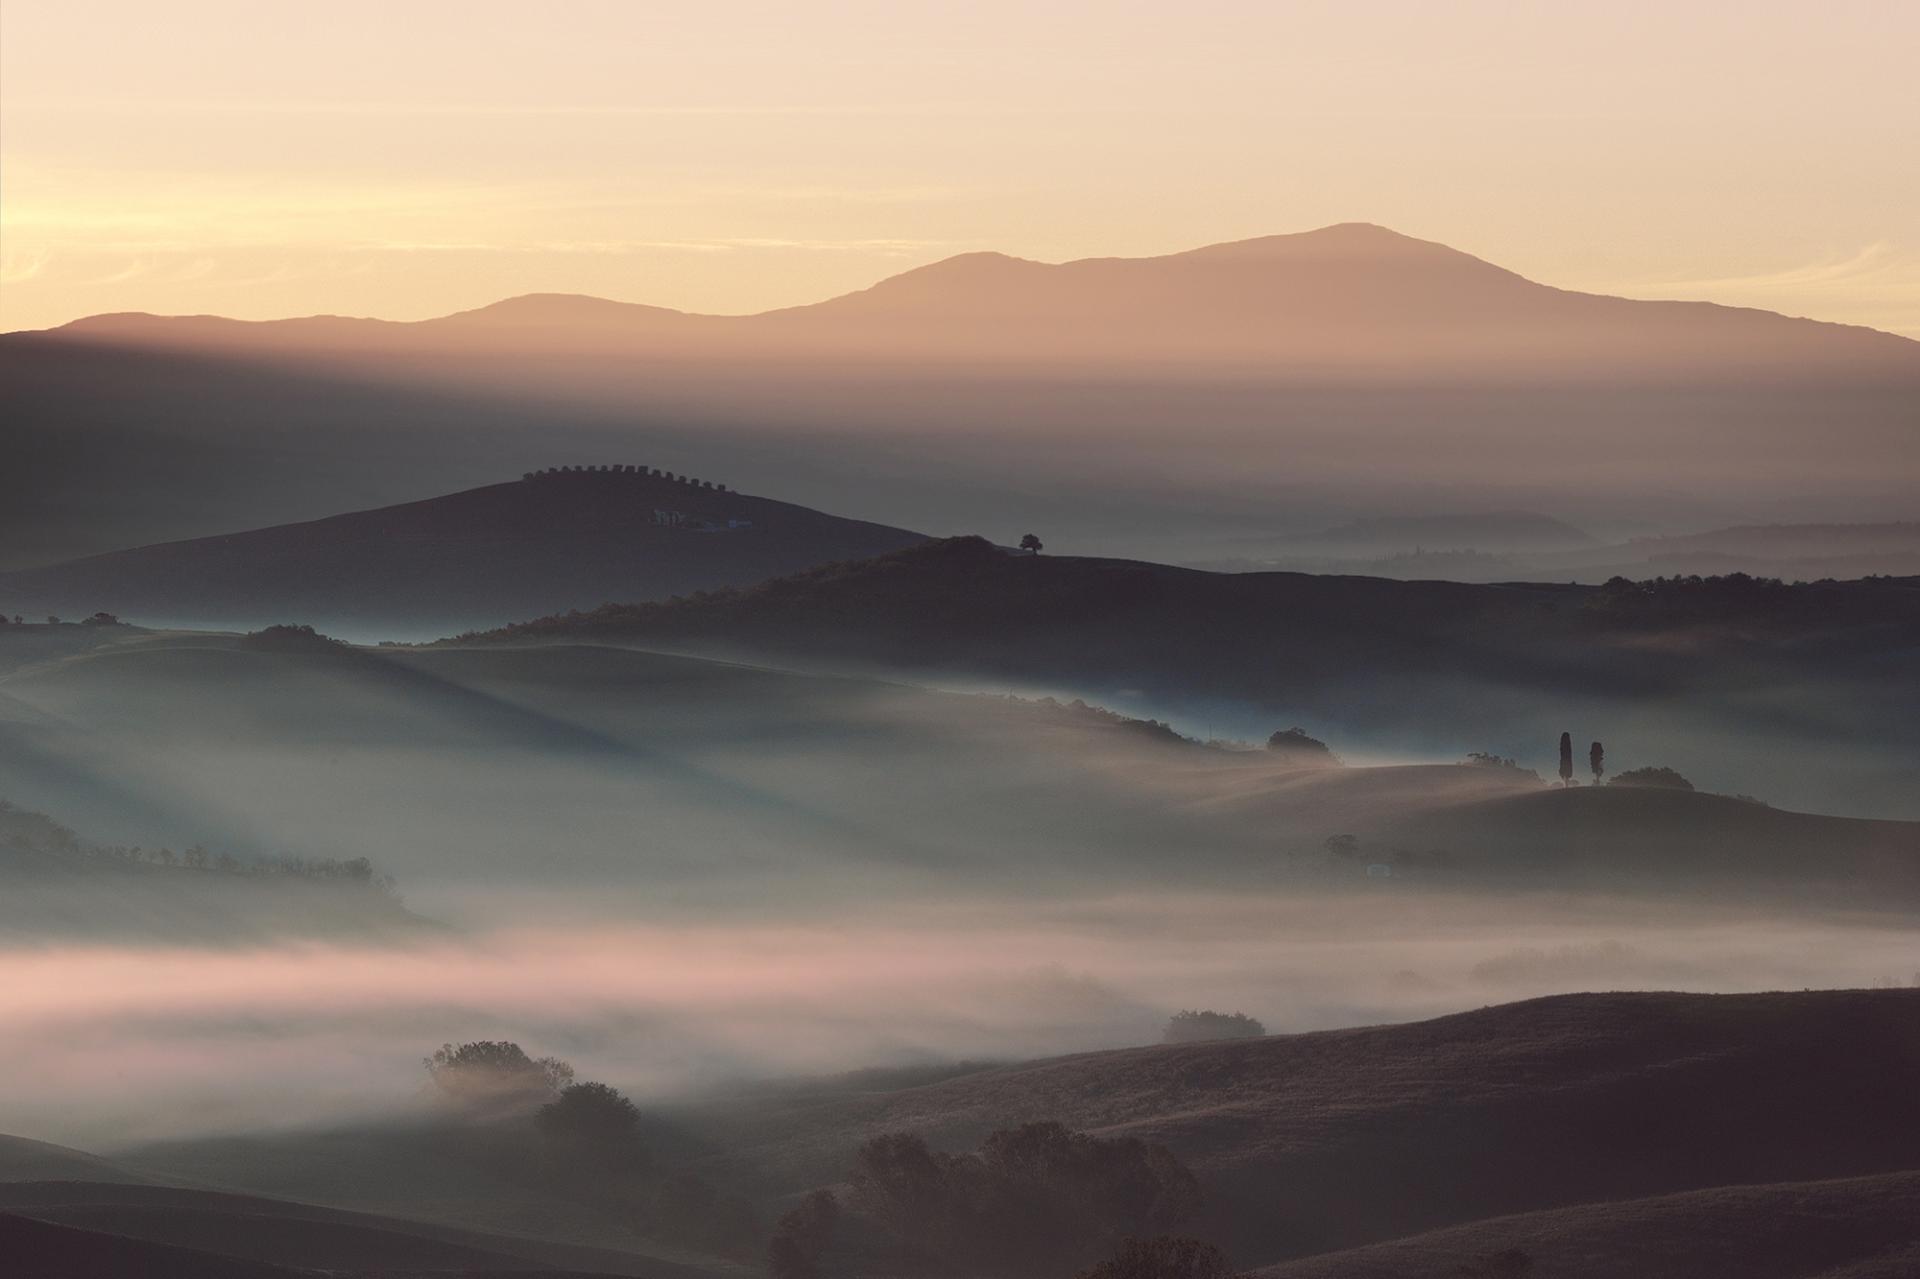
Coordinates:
<point>552,541</point>
<point>1741,674</point>
<point>1335,1140</point>
<point>279,1232</point>
<point>1853,1228</point>
<point>804,778</point>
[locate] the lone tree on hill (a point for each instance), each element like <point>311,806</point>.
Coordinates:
<point>1030,544</point>
<point>1597,761</point>
<point>1566,759</point>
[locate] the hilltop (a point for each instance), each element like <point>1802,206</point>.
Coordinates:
<point>559,539</point>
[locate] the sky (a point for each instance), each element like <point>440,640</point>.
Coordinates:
<point>405,160</point>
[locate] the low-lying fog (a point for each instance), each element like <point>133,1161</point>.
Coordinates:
<point>102,1044</point>
<point>682,875</point>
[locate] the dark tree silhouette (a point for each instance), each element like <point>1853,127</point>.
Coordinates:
<point>1566,759</point>
<point>489,1069</point>
<point>1300,747</point>
<point>802,1236</point>
<point>1166,1257</point>
<point>1508,1264</point>
<point>1030,544</point>
<point>1198,1026</point>
<point>593,1127</point>
<point>1660,778</point>
<point>1597,761</point>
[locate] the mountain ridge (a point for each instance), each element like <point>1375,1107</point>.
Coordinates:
<point>1353,273</point>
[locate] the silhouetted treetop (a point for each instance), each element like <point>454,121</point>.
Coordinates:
<point>1035,1199</point>
<point>1297,747</point>
<point>590,1112</point>
<point>491,1070</point>
<point>287,638</point>
<point>1662,778</point>
<point>1194,1026</point>
<point>1163,1257</point>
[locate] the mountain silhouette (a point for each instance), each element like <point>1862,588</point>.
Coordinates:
<point>1136,405</point>
<point>1340,299</point>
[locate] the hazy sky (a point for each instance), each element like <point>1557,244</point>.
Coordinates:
<point>409,159</point>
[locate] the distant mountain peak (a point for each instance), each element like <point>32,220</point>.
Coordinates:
<point>541,309</point>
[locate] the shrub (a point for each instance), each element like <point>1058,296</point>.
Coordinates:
<point>1193,1026</point>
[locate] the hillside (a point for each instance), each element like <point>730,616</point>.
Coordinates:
<point>309,1237</point>
<point>55,884</point>
<point>1855,1228</point>
<point>1745,674</point>
<point>23,1159</point>
<point>1331,1140</point>
<point>548,542</point>
<point>1315,1142</point>
<point>1130,405</point>
<point>801,779</point>
<point>1473,548</point>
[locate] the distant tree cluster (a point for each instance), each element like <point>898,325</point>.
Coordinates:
<point>289,638</point>
<point>1659,778</point>
<point>1163,1257</point>
<point>1297,747</point>
<point>37,833</point>
<point>588,1143</point>
<point>801,1237</point>
<point>618,469</point>
<point>1488,759</point>
<point>1192,1026</point>
<point>492,1071</point>
<point>1038,1199</point>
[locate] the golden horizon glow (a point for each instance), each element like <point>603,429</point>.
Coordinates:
<point>405,161</point>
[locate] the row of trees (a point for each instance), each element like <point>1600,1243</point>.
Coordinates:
<point>96,619</point>
<point>1596,760</point>
<point>650,472</point>
<point>1657,777</point>
<point>347,870</point>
